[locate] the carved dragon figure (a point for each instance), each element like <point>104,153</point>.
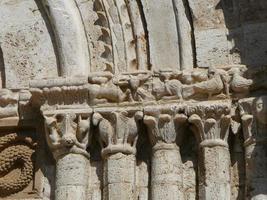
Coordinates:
<point>15,151</point>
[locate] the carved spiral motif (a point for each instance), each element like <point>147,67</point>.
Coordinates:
<point>15,152</point>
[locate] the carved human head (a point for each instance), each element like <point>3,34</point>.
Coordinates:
<point>260,106</point>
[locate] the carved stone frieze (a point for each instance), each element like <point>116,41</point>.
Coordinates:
<point>133,99</point>
<point>8,103</point>
<point>59,93</point>
<point>143,86</point>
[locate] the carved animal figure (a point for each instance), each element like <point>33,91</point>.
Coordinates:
<point>106,93</point>
<point>139,93</point>
<point>212,86</point>
<point>240,84</point>
<point>83,130</point>
<point>15,150</point>
<point>131,127</point>
<point>170,89</point>
<point>67,133</point>
<point>105,129</point>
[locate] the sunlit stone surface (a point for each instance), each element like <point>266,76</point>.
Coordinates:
<point>133,99</point>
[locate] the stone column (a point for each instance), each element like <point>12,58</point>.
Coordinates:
<point>68,136</point>
<point>118,132</point>
<point>211,127</point>
<point>166,165</point>
<point>254,123</point>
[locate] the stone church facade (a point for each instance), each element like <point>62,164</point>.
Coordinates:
<point>133,99</point>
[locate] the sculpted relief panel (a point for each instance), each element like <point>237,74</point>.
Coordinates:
<point>17,164</point>
<point>133,99</point>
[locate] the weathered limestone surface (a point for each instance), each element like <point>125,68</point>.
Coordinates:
<point>253,113</point>
<point>212,130</point>
<point>133,99</point>
<point>26,46</point>
<point>166,163</point>
<point>162,34</point>
<point>119,177</point>
<point>71,173</point>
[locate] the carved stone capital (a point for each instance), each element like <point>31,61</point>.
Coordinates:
<point>253,113</point>
<point>163,124</point>
<point>118,130</point>
<point>67,132</point>
<point>211,122</point>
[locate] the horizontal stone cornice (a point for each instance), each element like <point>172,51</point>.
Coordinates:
<point>102,89</point>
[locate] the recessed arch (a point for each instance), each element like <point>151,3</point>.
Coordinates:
<point>72,44</point>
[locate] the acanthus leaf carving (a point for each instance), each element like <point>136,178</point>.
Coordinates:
<point>118,130</point>
<point>211,123</point>
<point>164,124</point>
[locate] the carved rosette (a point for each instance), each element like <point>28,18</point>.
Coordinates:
<point>67,133</point>
<point>211,123</point>
<point>163,124</point>
<point>118,130</point>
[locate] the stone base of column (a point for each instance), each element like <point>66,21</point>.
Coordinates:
<point>166,173</point>
<point>119,177</point>
<point>214,173</point>
<point>71,177</point>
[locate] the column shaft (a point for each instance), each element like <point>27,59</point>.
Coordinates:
<point>214,173</point>
<point>166,173</point>
<point>71,177</point>
<point>119,177</point>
